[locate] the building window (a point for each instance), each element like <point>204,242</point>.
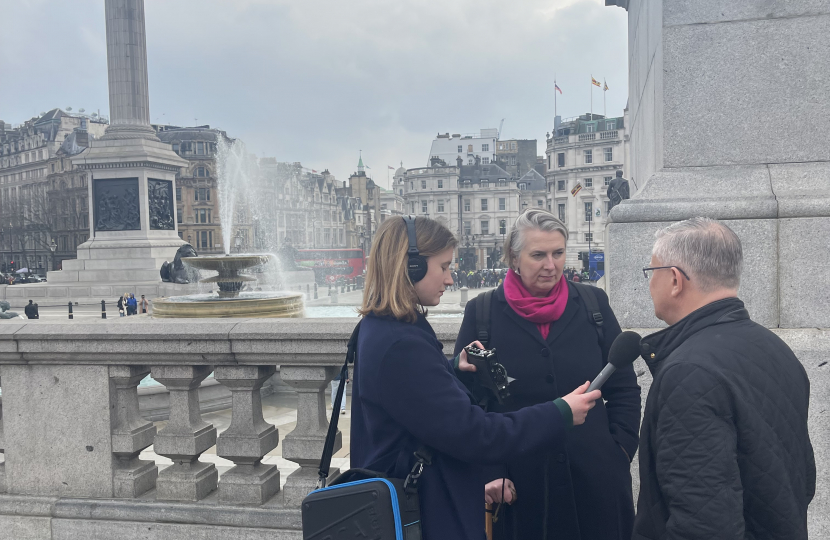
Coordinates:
<point>611,124</point>
<point>202,194</point>
<point>609,154</point>
<point>590,128</point>
<point>589,156</point>
<point>440,206</point>
<point>502,226</point>
<point>540,203</point>
<point>178,194</point>
<point>176,147</point>
<point>423,184</point>
<point>548,161</point>
<point>460,149</point>
<point>560,185</point>
<point>485,226</point>
<point>589,237</point>
<point>400,192</point>
<point>412,207</point>
<point>466,205</point>
<point>470,161</point>
<point>502,203</point>
<point>607,180</point>
<point>483,205</point>
<point>411,185</point>
<point>560,159</point>
<point>467,228</point>
<point>440,184</point>
<point>423,207</point>
<point>200,148</point>
<point>201,172</point>
<point>561,208</point>
<point>588,182</point>
<point>485,161</point>
<point>485,147</point>
<point>589,209</point>
<point>178,215</point>
<point>511,160</point>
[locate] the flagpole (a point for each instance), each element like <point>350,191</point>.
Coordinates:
<point>592,97</point>
<point>604,86</point>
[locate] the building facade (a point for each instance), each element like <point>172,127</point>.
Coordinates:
<point>449,148</point>
<point>582,156</point>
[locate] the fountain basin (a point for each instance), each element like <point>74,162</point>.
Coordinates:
<point>246,305</point>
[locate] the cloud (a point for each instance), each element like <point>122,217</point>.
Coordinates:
<point>316,81</point>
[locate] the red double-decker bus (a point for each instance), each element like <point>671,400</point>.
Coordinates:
<point>329,265</point>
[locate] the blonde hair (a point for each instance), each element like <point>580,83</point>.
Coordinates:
<point>388,290</point>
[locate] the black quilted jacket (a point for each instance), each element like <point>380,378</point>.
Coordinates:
<point>724,448</point>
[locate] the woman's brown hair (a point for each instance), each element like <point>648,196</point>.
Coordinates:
<point>388,290</point>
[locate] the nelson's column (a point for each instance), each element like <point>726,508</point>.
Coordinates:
<point>131,192</point>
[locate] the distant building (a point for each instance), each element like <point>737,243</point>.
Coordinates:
<point>43,198</point>
<point>583,155</point>
<point>449,148</point>
<point>517,156</point>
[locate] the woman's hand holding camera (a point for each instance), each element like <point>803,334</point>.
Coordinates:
<point>463,365</point>
<point>580,402</point>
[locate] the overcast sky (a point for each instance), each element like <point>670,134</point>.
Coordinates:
<point>318,80</point>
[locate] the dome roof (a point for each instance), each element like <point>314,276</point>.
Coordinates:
<point>401,171</point>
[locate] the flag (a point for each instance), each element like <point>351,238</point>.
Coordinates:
<point>595,82</point>
<point>576,189</point>
<point>368,167</point>
<point>606,86</point>
<point>390,167</point>
<point>556,87</point>
<point>312,170</point>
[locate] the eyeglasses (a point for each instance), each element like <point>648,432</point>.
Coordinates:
<point>647,271</point>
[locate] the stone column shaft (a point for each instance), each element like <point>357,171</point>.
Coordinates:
<point>130,435</point>
<point>185,437</point>
<point>304,445</point>
<point>2,449</point>
<point>248,438</point>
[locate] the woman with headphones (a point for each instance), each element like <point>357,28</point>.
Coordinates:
<point>406,395</point>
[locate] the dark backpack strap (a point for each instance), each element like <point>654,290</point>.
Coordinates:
<point>483,302</point>
<point>589,297</point>
<point>328,447</point>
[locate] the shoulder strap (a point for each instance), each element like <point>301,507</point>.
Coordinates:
<point>483,302</point>
<point>328,447</point>
<point>589,297</point>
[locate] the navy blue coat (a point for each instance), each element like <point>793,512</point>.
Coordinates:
<point>405,393</point>
<point>580,487</point>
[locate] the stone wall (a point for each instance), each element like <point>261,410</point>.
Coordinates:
<point>71,432</point>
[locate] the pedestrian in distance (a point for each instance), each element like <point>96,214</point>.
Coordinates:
<point>144,304</point>
<point>724,450</point>
<point>31,311</point>
<point>406,393</point>
<point>122,305</point>
<point>132,305</point>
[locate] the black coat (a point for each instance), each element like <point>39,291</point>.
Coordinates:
<point>724,451</point>
<point>406,393</point>
<point>579,488</point>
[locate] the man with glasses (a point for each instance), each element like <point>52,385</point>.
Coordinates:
<point>724,447</point>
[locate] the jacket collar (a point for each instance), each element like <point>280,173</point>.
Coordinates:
<point>658,346</point>
<point>556,328</point>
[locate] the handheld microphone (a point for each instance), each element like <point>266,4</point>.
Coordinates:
<point>624,350</point>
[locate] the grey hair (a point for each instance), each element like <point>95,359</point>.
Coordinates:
<point>534,218</point>
<point>706,249</point>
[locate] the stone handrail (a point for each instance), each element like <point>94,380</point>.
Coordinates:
<point>71,433</point>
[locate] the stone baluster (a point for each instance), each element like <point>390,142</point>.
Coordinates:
<point>2,449</point>
<point>130,435</point>
<point>248,438</point>
<point>304,445</point>
<point>185,437</point>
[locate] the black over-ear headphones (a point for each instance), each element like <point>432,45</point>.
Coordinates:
<point>416,264</point>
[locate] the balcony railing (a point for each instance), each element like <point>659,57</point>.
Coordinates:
<point>604,135</point>
<point>587,137</point>
<point>71,432</point>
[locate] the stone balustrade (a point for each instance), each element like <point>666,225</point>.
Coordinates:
<point>71,433</point>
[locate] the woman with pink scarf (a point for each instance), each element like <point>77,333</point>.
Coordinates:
<point>545,335</point>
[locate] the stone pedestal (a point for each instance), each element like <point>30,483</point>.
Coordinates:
<point>248,439</point>
<point>130,435</point>
<point>304,445</point>
<point>185,437</point>
<point>2,449</point>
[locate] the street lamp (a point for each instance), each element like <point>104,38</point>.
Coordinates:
<point>238,241</point>
<point>52,247</point>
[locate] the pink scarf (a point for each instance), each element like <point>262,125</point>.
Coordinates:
<point>542,311</point>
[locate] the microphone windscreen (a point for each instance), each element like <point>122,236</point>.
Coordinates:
<point>625,349</point>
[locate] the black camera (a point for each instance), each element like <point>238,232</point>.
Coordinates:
<point>491,374</point>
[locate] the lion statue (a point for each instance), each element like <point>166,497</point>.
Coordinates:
<point>4,311</point>
<point>178,272</point>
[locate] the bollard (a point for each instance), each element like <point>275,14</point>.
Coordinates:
<point>103,309</point>
<point>307,289</point>
<point>342,287</point>
<point>334,296</point>
<point>329,289</point>
<point>464,291</point>
<point>71,316</point>
<point>315,291</point>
